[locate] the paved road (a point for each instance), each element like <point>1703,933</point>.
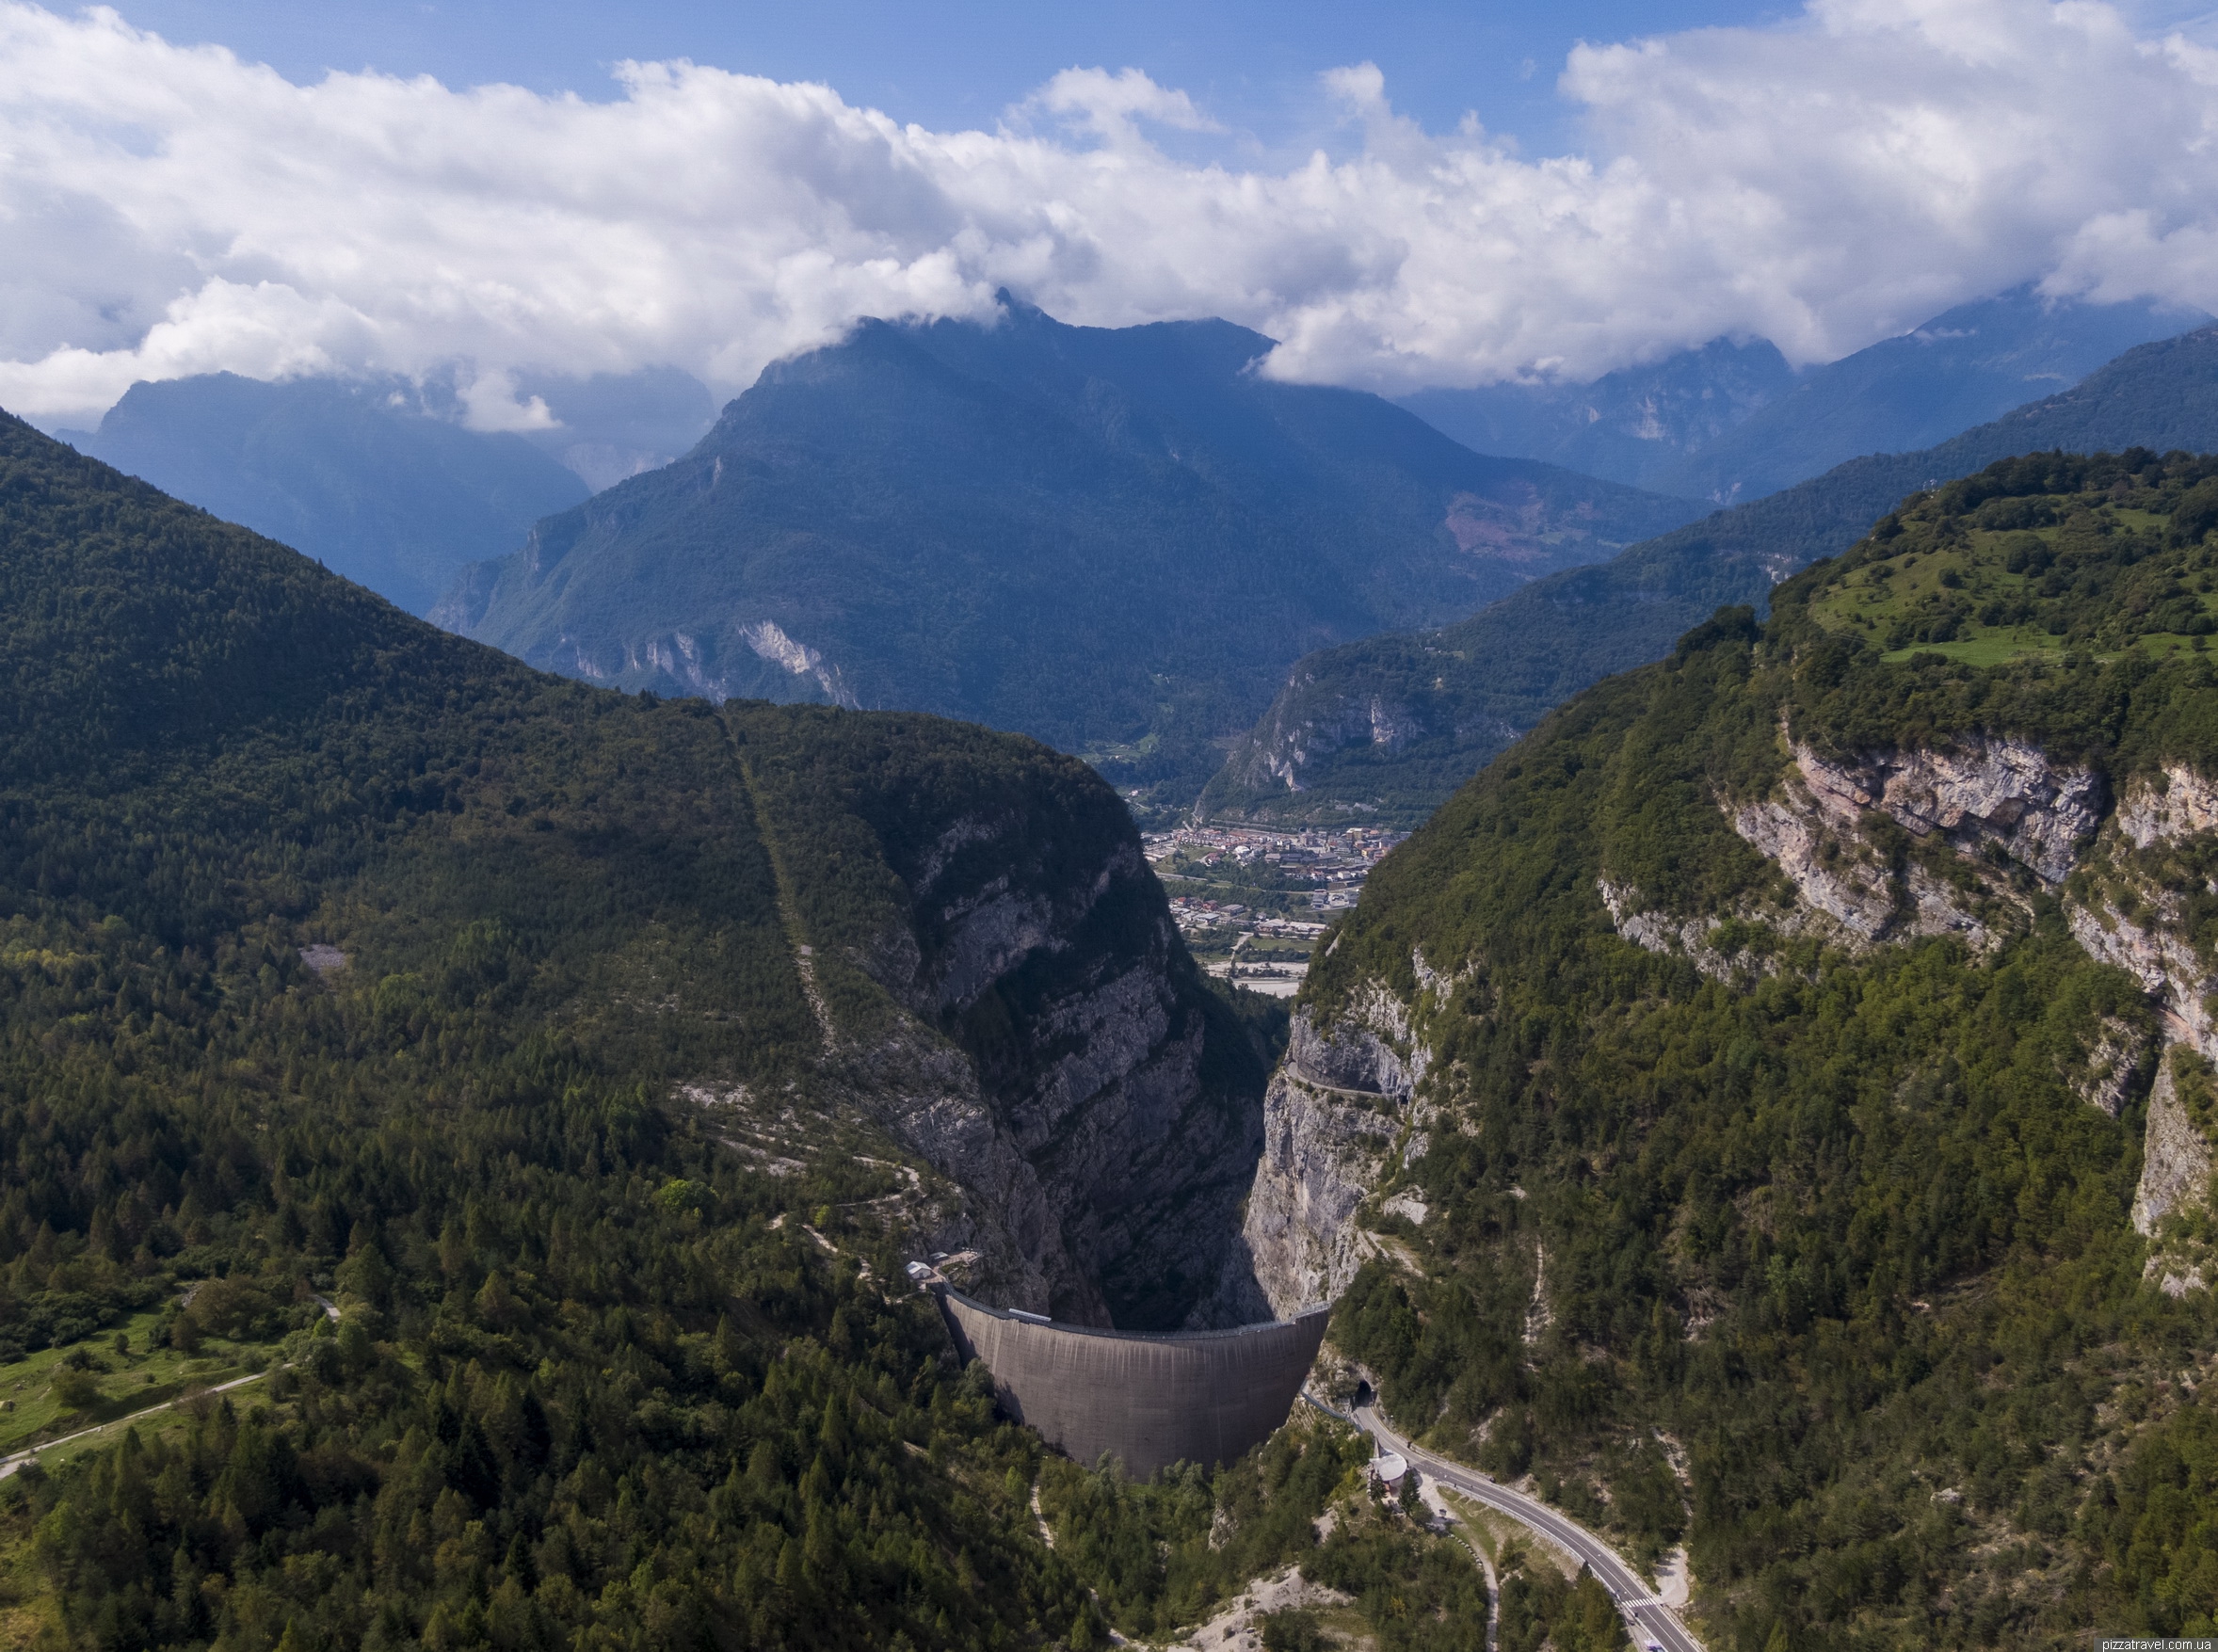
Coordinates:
<point>1652,1621</point>
<point>9,1464</point>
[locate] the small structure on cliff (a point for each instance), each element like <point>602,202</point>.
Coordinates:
<point>1148,1401</point>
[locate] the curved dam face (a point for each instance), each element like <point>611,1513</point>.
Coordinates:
<point>1150,1401</point>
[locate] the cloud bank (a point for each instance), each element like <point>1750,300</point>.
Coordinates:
<point>167,210</point>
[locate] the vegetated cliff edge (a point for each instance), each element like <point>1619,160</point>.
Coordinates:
<point>1395,723</point>
<point>1772,1104</point>
<point>946,931</point>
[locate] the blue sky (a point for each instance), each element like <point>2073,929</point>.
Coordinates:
<point>1252,65</point>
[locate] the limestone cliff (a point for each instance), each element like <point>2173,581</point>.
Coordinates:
<point>2175,1163</point>
<point>1011,1001</point>
<point>2131,905</point>
<point>1307,721</point>
<point>1994,802</point>
<point>1339,1118</point>
<point>2172,1205</point>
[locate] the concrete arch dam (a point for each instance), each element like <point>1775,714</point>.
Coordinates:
<point>1150,1401</point>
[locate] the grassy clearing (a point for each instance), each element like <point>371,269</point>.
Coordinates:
<point>129,1377</point>
<point>1491,1530</point>
<point>1988,647</point>
<point>1991,597</point>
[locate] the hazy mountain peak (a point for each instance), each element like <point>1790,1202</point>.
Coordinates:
<point>1116,538</point>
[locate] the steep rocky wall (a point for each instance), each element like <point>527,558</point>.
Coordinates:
<point>2120,875</point>
<point>1310,719</point>
<point>1339,1116</point>
<point>1989,800</point>
<point>1107,1071</point>
<point>2127,907</point>
<point>2175,1163</point>
<point>1006,992</point>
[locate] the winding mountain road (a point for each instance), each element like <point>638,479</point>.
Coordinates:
<point>1653,1624</point>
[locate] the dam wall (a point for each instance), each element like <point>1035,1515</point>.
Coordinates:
<point>1150,1401</point>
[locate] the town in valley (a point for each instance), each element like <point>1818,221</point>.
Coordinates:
<point>1252,901</point>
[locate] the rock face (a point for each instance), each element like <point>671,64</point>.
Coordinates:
<point>1300,726</point>
<point>2000,821</point>
<point>2176,1156</point>
<point>1982,797</point>
<point>1338,1108</point>
<point>1656,931</point>
<point>1012,1003</point>
<point>2181,807</point>
<point>1976,792</point>
<point>2132,913</point>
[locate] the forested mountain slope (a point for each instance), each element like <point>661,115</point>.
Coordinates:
<point>600,1060</point>
<point>1394,724</point>
<point>1779,1091</point>
<point>1115,540</point>
<point>393,499</point>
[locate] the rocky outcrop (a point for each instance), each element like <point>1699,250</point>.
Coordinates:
<point>2163,960</point>
<point>1001,989</point>
<point>1693,939</point>
<point>1984,799</point>
<point>1055,1068</point>
<point>1308,720</point>
<point>2176,1177</point>
<point>1338,1108</point>
<point>1989,799</point>
<point>2111,1067</point>
<point>1976,792</point>
<point>2182,804</point>
<point>2003,822</point>
<point>2176,1161</point>
<point>2130,911</point>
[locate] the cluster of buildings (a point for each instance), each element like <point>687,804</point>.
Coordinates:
<point>1327,869</point>
<point>1337,861</point>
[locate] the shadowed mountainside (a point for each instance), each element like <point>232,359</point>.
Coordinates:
<point>950,931</point>
<point>383,495</point>
<point>1115,540</point>
<point>1963,368</point>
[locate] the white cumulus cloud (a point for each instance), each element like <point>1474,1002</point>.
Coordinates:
<point>168,209</point>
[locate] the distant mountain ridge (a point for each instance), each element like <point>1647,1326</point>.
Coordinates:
<point>380,479</point>
<point>1631,425</point>
<point>379,493</point>
<point>1962,368</point>
<point>1394,723</point>
<point>1114,539</point>
<point>1730,422</point>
